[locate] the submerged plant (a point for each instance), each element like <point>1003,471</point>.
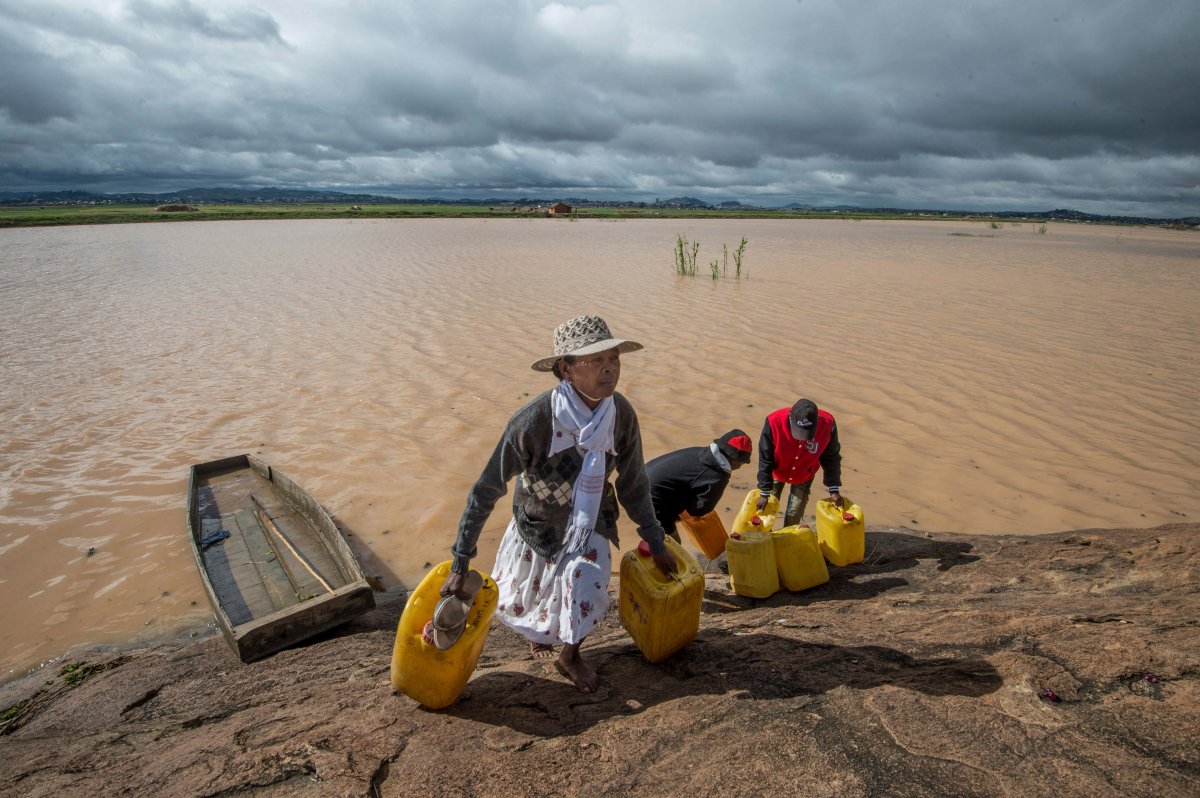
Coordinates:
<point>685,256</point>
<point>737,258</point>
<point>687,251</point>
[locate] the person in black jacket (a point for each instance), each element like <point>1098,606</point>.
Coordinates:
<point>694,479</point>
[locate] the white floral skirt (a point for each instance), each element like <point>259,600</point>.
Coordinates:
<point>551,601</point>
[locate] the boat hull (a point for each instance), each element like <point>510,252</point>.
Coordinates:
<point>274,565</point>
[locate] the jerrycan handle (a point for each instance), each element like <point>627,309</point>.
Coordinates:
<point>643,548</point>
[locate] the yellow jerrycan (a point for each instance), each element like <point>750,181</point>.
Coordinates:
<point>799,559</point>
<point>707,533</point>
<point>425,673</point>
<point>842,532</point>
<point>661,614</point>
<point>749,519</point>
<point>753,571</point>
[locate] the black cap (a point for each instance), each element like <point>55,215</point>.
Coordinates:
<point>735,445</point>
<point>803,420</point>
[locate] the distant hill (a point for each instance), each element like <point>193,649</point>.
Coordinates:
<point>193,195</point>
<point>272,195</point>
<point>681,202</point>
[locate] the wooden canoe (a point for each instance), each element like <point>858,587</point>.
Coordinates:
<point>275,567</point>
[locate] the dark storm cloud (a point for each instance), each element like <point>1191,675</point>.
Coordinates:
<point>969,105</point>
<point>25,70</point>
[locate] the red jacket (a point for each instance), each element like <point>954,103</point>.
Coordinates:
<point>782,458</point>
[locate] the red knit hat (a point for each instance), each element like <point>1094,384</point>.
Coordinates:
<point>735,445</point>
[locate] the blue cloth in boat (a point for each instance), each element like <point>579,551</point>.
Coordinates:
<point>214,537</point>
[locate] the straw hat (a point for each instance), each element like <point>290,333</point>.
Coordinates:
<point>583,335</point>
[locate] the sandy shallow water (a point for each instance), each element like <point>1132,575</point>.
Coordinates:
<point>984,380</point>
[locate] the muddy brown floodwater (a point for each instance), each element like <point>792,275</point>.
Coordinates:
<point>984,380</point>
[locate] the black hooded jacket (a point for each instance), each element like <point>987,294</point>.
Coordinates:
<point>689,479</point>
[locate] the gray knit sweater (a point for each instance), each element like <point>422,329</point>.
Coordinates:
<point>545,484</point>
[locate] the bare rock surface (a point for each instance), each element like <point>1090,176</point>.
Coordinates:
<point>944,665</point>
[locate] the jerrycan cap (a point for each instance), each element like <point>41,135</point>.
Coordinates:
<point>643,548</point>
<point>847,516</point>
<point>756,520</point>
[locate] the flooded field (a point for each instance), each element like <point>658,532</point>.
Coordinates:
<point>984,380</point>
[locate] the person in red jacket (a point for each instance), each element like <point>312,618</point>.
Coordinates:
<point>795,442</point>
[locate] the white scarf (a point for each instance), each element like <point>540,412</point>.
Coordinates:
<point>592,431</point>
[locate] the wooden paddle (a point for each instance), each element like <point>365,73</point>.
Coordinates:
<point>267,522</point>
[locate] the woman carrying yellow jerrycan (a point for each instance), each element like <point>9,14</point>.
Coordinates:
<point>554,562</point>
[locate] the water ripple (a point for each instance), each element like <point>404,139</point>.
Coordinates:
<point>1017,383</point>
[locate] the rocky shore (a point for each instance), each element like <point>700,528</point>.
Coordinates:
<point>943,665</point>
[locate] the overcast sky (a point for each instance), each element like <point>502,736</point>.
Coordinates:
<point>1016,105</point>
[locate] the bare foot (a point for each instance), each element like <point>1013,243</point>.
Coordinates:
<point>541,651</point>
<point>575,669</point>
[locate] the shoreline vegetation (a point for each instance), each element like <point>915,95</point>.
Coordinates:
<point>55,215</point>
